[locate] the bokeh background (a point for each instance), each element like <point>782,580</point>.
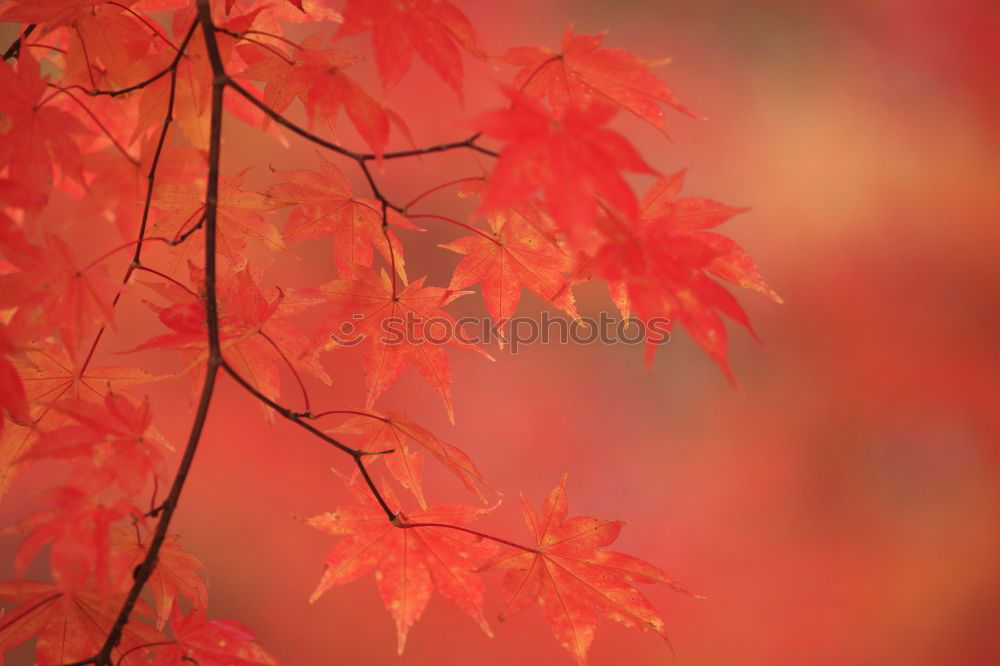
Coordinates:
<point>841,507</point>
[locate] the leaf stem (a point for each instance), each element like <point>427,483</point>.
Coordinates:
<point>354,412</point>
<point>295,373</point>
<point>147,269</point>
<point>483,535</point>
<point>442,218</point>
<point>145,22</point>
<point>93,117</point>
<point>123,246</point>
<point>437,188</point>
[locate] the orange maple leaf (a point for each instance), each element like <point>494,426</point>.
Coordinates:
<point>238,218</point>
<point>70,627</point>
<point>393,329</point>
<point>175,576</point>
<point>515,255</point>
<point>409,563</point>
<point>572,579</point>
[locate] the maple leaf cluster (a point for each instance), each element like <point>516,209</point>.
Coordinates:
<point>117,107</point>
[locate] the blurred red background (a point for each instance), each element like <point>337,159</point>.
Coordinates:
<point>842,507</point>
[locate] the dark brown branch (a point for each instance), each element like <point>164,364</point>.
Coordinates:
<point>14,49</point>
<point>294,417</point>
<point>288,124</point>
<point>215,361</point>
<point>145,570</point>
<point>469,142</point>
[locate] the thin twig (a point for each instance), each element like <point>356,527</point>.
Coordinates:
<point>181,237</point>
<point>442,218</point>
<point>354,412</point>
<point>294,416</point>
<point>150,182</point>
<point>175,281</point>
<point>458,181</point>
<point>93,116</point>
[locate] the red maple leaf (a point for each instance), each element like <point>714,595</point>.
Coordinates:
<point>175,576</point>
<point>572,579</point>
<point>49,374</point>
<point>514,255</point>
<point>34,137</point>
<point>70,626</point>
<point>295,3</point>
<point>116,187</point>
<point>691,216</point>
<point>325,206</point>
<point>49,290</point>
<point>434,28</point>
<point>571,157</point>
<point>393,329</point>
<point>664,259</point>
<point>54,13</point>
<point>583,73</point>
<point>409,563</point>
<point>238,218</point>
<point>109,444</point>
<point>210,643</point>
<point>77,523</point>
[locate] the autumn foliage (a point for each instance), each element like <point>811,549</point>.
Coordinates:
<point>121,108</point>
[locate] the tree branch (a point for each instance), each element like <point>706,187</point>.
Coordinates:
<point>15,48</point>
<point>169,507</point>
<point>356,454</point>
<point>215,361</point>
